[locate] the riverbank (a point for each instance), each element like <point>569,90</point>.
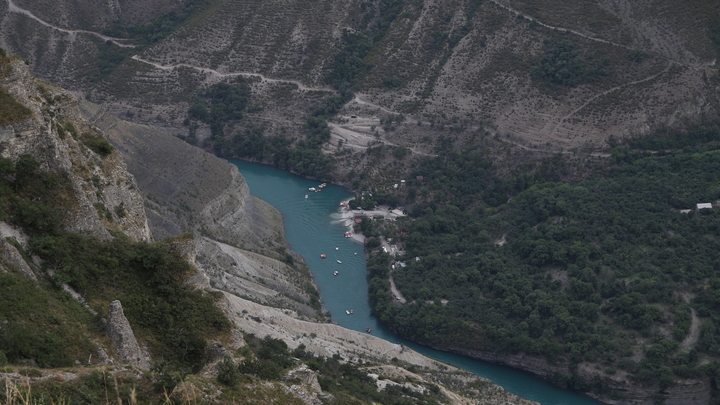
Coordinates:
<point>315,226</point>
<point>349,217</point>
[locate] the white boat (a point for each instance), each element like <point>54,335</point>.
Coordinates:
<point>339,262</point>
<point>337,248</point>
<point>335,273</point>
<point>312,189</point>
<point>306,196</point>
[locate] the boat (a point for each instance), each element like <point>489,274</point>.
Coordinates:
<point>312,189</point>
<point>322,256</point>
<point>347,234</point>
<point>306,196</point>
<point>355,253</point>
<point>349,311</point>
<point>352,312</point>
<point>335,273</point>
<point>368,330</point>
<point>337,248</point>
<point>339,262</point>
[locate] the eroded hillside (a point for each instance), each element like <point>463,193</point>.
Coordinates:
<point>466,65</point>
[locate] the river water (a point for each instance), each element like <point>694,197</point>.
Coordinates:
<point>312,228</point>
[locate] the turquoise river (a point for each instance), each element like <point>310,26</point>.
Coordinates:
<point>313,228</point>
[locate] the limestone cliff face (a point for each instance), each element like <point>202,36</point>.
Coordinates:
<point>105,194</point>
<point>187,189</point>
<point>239,242</point>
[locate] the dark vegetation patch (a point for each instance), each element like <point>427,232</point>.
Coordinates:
<point>147,278</point>
<point>224,104</point>
<point>11,110</point>
<point>47,326</point>
<point>562,64</point>
<point>587,269</point>
<point>97,143</point>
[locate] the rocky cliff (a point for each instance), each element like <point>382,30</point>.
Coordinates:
<point>239,240</point>
<point>105,196</point>
<point>62,142</point>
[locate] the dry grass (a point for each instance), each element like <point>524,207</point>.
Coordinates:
<point>11,110</point>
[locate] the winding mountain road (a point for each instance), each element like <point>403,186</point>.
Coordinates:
<point>215,73</point>
<point>14,8</point>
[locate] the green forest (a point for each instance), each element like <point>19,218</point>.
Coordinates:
<point>606,269</point>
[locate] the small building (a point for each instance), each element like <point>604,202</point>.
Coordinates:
<point>420,178</point>
<point>703,206</point>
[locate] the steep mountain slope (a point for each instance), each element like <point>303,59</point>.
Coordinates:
<point>104,195</point>
<point>239,242</point>
<point>461,64</point>
<point>67,262</point>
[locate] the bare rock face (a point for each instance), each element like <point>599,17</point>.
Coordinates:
<point>123,338</point>
<point>105,196</point>
<point>247,274</point>
<point>187,189</point>
<point>306,376</point>
<point>9,256</point>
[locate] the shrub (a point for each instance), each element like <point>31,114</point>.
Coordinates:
<point>97,143</point>
<point>228,373</point>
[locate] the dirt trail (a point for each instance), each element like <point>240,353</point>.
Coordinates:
<point>14,8</point>
<point>215,73</point>
<point>692,337</point>
<point>561,29</point>
<point>598,95</point>
<point>580,34</point>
